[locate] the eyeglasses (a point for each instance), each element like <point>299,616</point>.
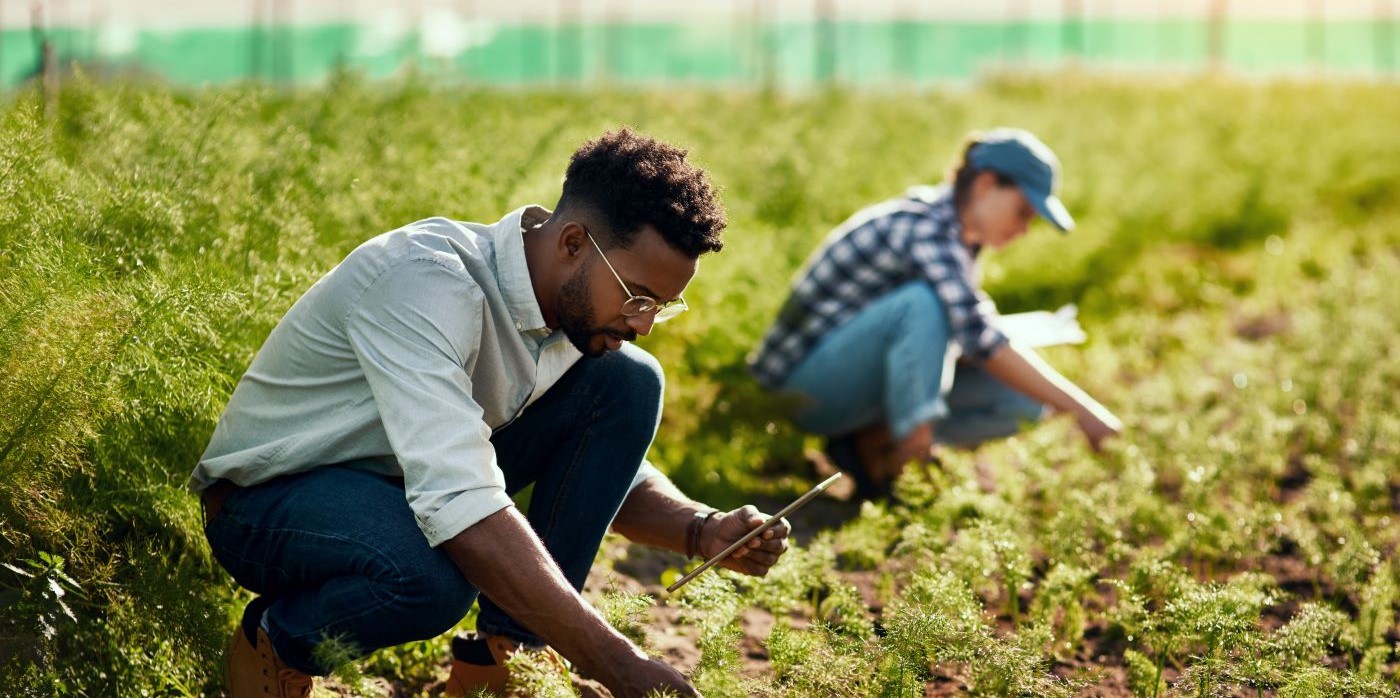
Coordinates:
<point>640,305</point>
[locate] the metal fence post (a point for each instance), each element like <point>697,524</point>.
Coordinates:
<point>48,58</point>
<point>1385,38</point>
<point>1017,31</point>
<point>1215,41</point>
<point>255,40</point>
<point>826,41</point>
<point>1072,30</point>
<point>285,70</point>
<point>1317,35</point>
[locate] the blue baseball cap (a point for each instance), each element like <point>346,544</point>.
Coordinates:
<point>1029,163</point>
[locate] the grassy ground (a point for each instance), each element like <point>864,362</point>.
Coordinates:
<point>1234,266</point>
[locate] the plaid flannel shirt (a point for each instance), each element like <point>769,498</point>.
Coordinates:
<point>917,236</point>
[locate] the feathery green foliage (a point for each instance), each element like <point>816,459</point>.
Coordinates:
<point>1235,268</point>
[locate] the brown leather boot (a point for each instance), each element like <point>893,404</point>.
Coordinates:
<point>256,672</point>
<point>467,678</point>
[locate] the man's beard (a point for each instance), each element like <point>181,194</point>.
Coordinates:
<point>576,316</point>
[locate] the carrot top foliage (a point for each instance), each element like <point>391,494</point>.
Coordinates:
<point>1235,268</point>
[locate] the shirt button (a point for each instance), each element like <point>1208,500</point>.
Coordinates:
<point>519,326</point>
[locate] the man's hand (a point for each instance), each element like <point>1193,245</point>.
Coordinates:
<point>758,554</point>
<point>1098,425</point>
<point>505,560</point>
<point>640,676</point>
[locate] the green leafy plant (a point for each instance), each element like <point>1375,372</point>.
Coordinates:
<point>150,239</point>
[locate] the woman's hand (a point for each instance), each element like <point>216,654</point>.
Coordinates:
<point>756,556</point>
<point>1024,370</point>
<point>1098,425</point>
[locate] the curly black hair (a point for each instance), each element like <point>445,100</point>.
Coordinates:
<point>631,180</point>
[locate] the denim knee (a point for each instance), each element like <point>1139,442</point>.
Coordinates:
<point>884,365</point>
<point>916,301</point>
<point>633,380</point>
<point>432,598</point>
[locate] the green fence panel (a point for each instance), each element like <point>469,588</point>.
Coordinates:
<point>783,53</point>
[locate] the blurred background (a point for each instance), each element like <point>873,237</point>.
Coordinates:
<point>768,43</point>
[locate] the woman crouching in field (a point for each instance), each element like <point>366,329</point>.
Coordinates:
<point>887,343</point>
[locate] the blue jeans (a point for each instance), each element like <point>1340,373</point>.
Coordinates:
<point>892,363</point>
<point>336,551</point>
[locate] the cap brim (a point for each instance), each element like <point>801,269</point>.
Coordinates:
<point>1052,209</point>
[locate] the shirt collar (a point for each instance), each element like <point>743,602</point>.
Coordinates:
<point>512,273</point>
<point>939,200</point>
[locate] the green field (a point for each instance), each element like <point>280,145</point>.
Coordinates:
<point>1236,269</point>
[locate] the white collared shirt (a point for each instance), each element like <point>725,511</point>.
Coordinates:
<point>406,357</point>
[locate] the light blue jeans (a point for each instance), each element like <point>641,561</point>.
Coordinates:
<point>892,363</point>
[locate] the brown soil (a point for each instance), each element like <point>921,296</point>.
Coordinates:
<point>1098,659</point>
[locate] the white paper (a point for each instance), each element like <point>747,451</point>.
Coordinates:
<point>1042,328</point>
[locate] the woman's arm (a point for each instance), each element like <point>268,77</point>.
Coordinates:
<point>1025,371</point>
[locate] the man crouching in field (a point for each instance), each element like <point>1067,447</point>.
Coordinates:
<point>360,479</point>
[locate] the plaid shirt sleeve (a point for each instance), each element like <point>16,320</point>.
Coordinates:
<point>871,254</point>
<point>947,267</point>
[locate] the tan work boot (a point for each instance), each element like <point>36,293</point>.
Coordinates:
<point>467,678</point>
<point>256,672</point>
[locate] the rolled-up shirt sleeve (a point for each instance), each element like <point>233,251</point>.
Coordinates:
<point>646,472</point>
<point>413,330</point>
<point>971,312</point>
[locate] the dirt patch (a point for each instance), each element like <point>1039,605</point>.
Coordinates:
<point>1259,327</point>
<point>1097,660</point>
<point>673,640</point>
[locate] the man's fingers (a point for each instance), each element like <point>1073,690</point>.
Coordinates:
<point>765,543</point>
<point>754,518</point>
<point>754,562</point>
<point>748,567</point>
<point>762,558</point>
<point>778,546</point>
